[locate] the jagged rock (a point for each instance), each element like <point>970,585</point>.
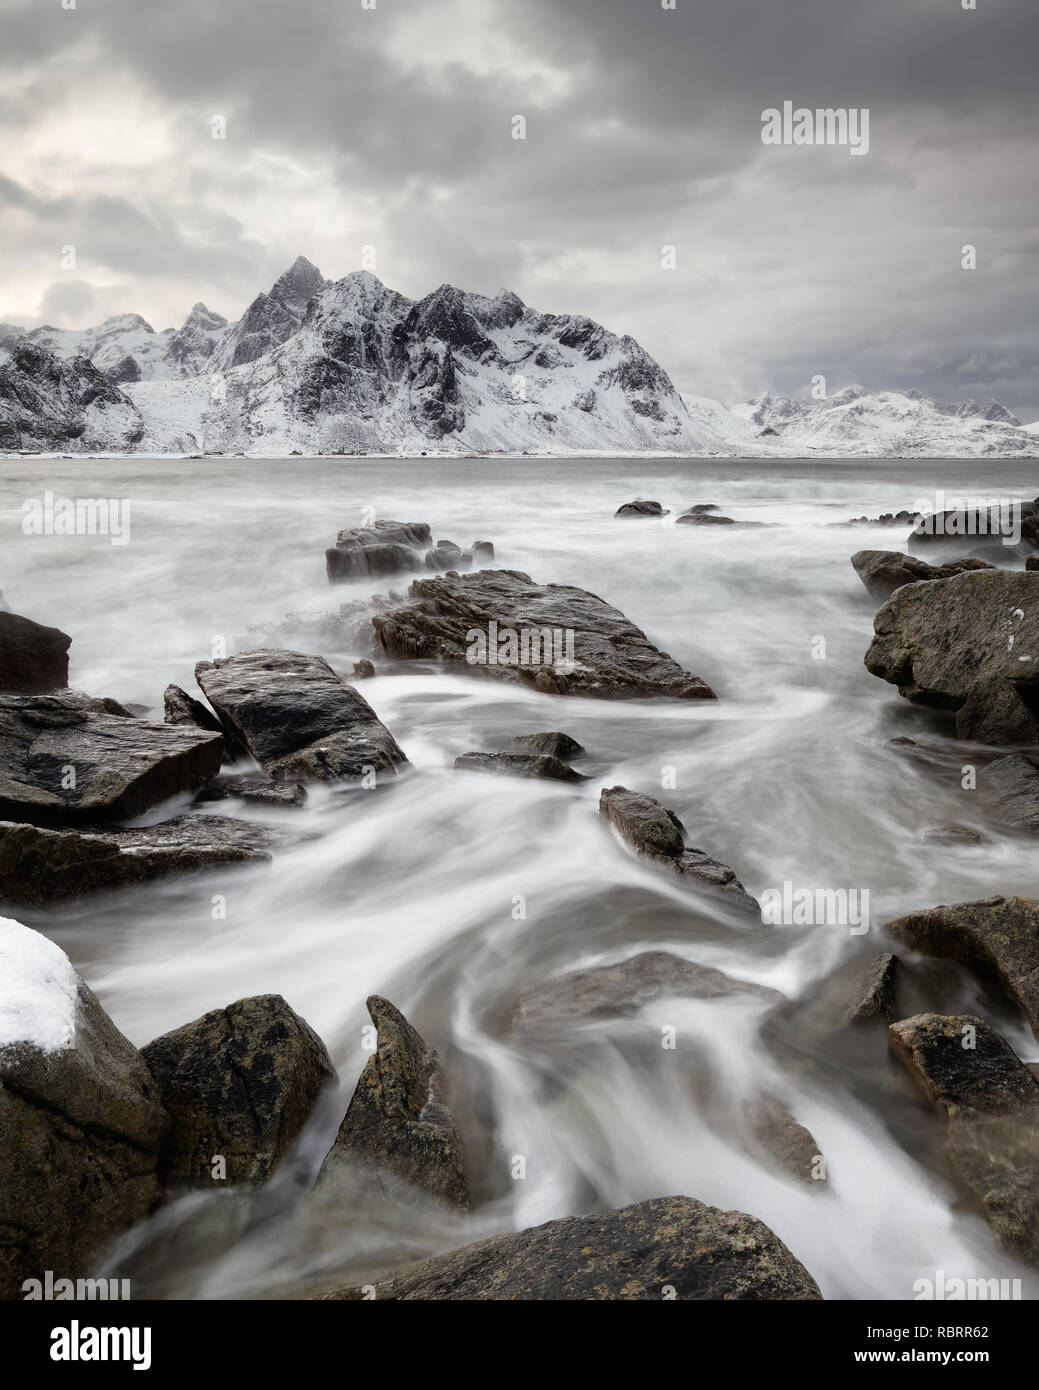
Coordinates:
<point>445,555</point>
<point>968,644</point>
<point>1011,786</point>
<point>259,788</point>
<point>991,1103</point>
<point>640,508</point>
<point>121,766</point>
<point>40,866</point>
<point>364,670</point>
<point>875,998</point>
<point>80,1119</point>
<point>239,1084</point>
<point>792,1146</point>
<point>297,718</point>
<point>552,745</point>
<point>483,552</point>
<point>884,571</point>
<point>903,518</point>
<point>398,1133</point>
<point>519,765</point>
<point>46,403</point>
<point>33,658</point>
<point>612,658</point>
<point>1000,933</point>
<point>181,708</point>
<point>667,1247</point>
<point>385,547</point>
<point>656,833</point>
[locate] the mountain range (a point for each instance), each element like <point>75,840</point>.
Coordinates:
<point>350,366</point>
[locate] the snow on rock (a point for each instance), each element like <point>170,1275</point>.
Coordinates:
<point>39,990</point>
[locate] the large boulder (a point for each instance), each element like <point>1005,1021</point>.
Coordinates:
<point>1011,787</point>
<point>81,1124</point>
<point>398,1136</point>
<point>669,1247</point>
<point>33,658</point>
<point>297,718</point>
<point>556,638</point>
<point>68,758</point>
<point>385,547</point>
<point>1001,934</point>
<point>991,1102</point>
<point>656,833</point>
<point>968,644</point>
<point>239,1084</point>
<point>884,571</point>
<point>640,508</point>
<point>552,744</point>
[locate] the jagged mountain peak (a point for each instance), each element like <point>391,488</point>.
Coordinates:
<point>298,284</point>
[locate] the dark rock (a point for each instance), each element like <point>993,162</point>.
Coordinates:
<point>553,745</point>
<point>612,658</point>
<point>483,552</point>
<point>792,1146</point>
<point>884,571</point>
<point>519,765</point>
<point>385,547</point>
<point>991,1103</point>
<point>33,658</point>
<point>701,507</point>
<point>875,997</point>
<point>259,788</point>
<point>364,670</point>
<point>1032,562</point>
<point>656,833</point>
<point>297,718</point>
<point>953,835</point>
<point>1011,786</point>
<point>698,518</point>
<point>398,1133</point>
<point>976,530</point>
<point>903,518</point>
<point>645,1251</point>
<point>640,508</point>
<point>445,555</point>
<point>181,708</point>
<point>999,933</point>
<point>121,766</point>
<point>239,1084</point>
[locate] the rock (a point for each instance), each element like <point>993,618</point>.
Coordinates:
<point>640,508</point>
<point>701,507</point>
<point>1000,933</point>
<point>977,529</point>
<point>398,1134</point>
<point>181,708</point>
<point>792,1145</point>
<point>519,765</point>
<point>263,790</point>
<point>903,518</point>
<point>968,644</point>
<point>121,766</point>
<point>447,556</point>
<point>1032,562</point>
<point>553,745</point>
<point>385,547</point>
<point>884,571</point>
<point>33,658</point>
<point>667,1247</point>
<point>80,1120</point>
<point>364,670</point>
<point>875,997</point>
<point>656,833</point>
<point>483,552</point>
<point>239,1083</point>
<point>1011,787</point>
<point>297,718</point>
<point>40,866</point>
<point>479,621</point>
<point>953,835</point>
<point>991,1103</point>
<point>698,518</point>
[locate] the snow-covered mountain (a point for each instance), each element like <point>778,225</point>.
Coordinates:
<point>351,366</point>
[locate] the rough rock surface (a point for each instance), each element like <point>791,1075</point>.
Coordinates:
<point>80,1130</point>
<point>968,644</point>
<point>519,765</point>
<point>991,1102</point>
<point>1000,933</point>
<point>641,1252</point>
<point>612,657</point>
<point>875,997</point>
<point>656,833</point>
<point>884,571</point>
<point>1011,786</point>
<point>261,789</point>
<point>385,547</point>
<point>33,658</point>
<point>552,744</point>
<point>240,1083</point>
<point>121,766</point>
<point>298,719</point>
<point>398,1133</point>
<point>640,508</point>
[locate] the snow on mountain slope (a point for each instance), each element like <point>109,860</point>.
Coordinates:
<point>49,404</point>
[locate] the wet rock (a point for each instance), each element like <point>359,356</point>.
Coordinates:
<point>953,835</point>
<point>181,708</point>
<point>364,670</point>
<point>641,1252</point>
<point>385,547</point>
<point>640,508</point>
<point>1032,562</point>
<point>874,999</point>
<point>968,644</point>
<point>656,833</point>
<point>483,552</point>
<point>297,718</point>
<point>884,571</point>
<point>263,790</point>
<point>479,621</point>
<point>40,866</point>
<point>998,933</point>
<point>80,1120</point>
<point>238,1083</point>
<point>445,555</point>
<point>702,518</point>
<point>977,530</point>
<point>792,1146</point>
<point>519,765</point>
<point>1011,787</point>
<point>552,745</point>
<point>68,758</point>
<point>903,518</point>
<point>398,1134</point>
<point>33,658</point>
<point>991,1102</point>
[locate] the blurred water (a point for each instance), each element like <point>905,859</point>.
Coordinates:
<point>409,892</point>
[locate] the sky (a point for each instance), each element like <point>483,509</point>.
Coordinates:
<point>390,125</point>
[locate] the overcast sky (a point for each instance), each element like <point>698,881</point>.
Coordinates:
<point>392,127</point>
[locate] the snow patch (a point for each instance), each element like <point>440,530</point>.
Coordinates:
<point>39,990</point>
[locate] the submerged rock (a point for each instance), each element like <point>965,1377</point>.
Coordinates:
<point>33,658</point>
<point>297,718</point>
<point>640,508</point>
<point>669,1247</point>
<point>884,571</point>
<point>239,1084</point>
<point>519,765</point>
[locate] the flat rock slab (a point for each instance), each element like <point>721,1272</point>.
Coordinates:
<point>519,765</point>
<point>641,1252</point>
<point>65,758</point>
<point>40,866</point>
<point>1000,933</point>
<point>884,571</point>
<point>33,658</point>
<point>297,718</point>
<point>968,644</point>
<point>240,1083</point>
<point>656,833</point>
<point>479,622</point>
<point>991,1101</point>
